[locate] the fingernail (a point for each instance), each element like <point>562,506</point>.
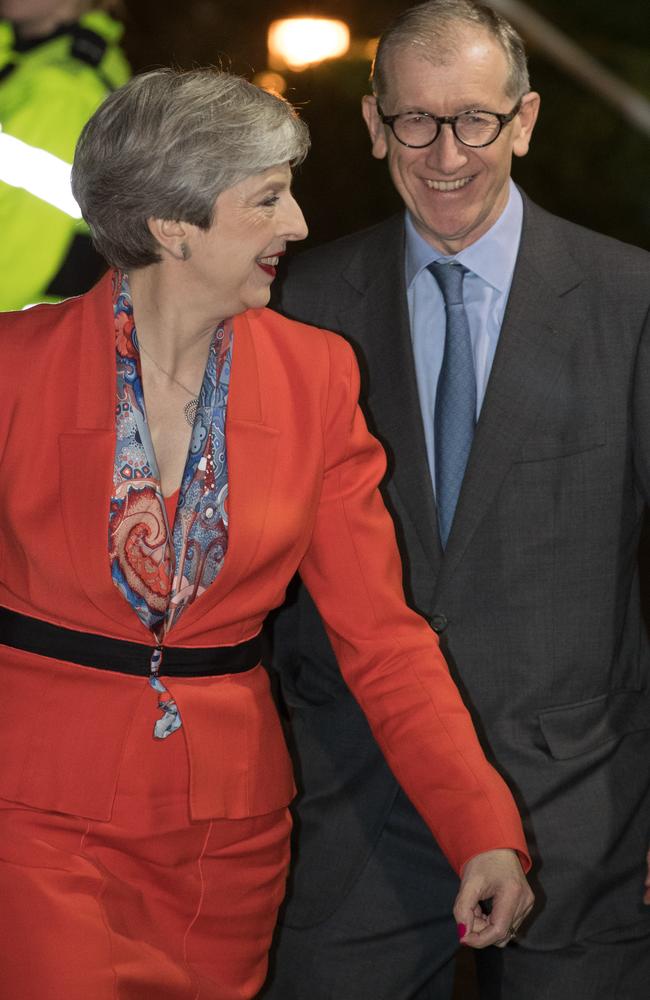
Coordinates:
<point>462,931</point>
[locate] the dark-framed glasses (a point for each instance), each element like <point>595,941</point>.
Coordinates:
<point>473,128</point>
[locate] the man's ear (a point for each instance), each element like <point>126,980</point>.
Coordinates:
<point>171,236</point>
<point>375,126</point>
<point>525,123</point>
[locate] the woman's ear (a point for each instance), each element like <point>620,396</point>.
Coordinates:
<point>171,236</point>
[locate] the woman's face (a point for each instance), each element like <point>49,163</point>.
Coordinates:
<point>235,260</point>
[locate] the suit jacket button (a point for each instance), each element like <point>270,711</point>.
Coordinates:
<point>439,623</point>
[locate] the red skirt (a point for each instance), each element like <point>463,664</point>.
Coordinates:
<point>148,906</point>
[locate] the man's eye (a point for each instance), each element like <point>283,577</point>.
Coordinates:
<point>477,118</point>
<point>271,200</point>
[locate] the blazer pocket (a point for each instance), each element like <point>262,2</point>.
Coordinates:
<point>571,730</point>
<point>542,447</point>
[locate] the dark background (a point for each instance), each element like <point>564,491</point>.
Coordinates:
<point>586,162</point>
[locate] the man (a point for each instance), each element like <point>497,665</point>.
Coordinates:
<point>58,61</point>
<point>514,404</point>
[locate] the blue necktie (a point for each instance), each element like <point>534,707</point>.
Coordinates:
<point>455,416</point>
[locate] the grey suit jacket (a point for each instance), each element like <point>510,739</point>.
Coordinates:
<point>536,598</point>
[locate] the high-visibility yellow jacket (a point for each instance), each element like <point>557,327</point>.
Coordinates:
<point>49,87</point>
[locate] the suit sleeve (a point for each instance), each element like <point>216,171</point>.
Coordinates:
<point>388,655</point>
<point>641,411</point>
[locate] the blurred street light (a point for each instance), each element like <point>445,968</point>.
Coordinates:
<point>298,42</point>
<point>269,80</point>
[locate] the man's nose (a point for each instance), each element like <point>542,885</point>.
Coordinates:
<point>447,153</point>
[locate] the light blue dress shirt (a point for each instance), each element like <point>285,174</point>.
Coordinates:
<point>491,263</point>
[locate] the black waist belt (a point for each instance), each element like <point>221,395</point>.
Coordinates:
<point>89,650</point>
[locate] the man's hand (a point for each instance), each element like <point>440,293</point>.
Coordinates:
<point>497,876</point>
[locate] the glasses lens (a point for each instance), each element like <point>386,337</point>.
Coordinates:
<point>415,130</point>
<point>477,128</point>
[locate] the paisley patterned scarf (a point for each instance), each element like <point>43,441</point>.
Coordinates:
<point>161,569</point>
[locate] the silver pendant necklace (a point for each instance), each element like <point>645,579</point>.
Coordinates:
<point>190,408</point>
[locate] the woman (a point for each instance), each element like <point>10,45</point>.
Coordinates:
<point>142,547</point>
<point>58,61</point>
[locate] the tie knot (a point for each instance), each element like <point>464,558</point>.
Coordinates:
<point>449,275</point>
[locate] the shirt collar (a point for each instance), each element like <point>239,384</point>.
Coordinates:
<point>492,257</point>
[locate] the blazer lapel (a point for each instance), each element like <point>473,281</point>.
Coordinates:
<point>251,445</point>
<point>379,319</point>
<point>530,353</point>
<point>86,455</point>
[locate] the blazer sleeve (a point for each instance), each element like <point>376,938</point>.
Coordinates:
<point>387,653</point>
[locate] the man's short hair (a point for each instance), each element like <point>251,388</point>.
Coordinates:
<point>429,30</point>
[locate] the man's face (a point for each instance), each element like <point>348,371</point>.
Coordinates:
<point>454,193</point>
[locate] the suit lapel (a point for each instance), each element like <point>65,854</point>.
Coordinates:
<point>380,322</point>
<point>530,353</point>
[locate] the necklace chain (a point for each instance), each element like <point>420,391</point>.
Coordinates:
<point>190,392</point>
<point>190,408</point>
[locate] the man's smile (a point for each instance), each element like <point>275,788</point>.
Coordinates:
<point>449,185</point>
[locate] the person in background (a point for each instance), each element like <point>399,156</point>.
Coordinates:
<point>505,355</point>
<point>172,453</point>
<point>58,61</point>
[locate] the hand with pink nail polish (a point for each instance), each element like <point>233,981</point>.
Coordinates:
<point>496,876</point>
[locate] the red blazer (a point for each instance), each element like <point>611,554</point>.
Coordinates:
<point>303,475</point>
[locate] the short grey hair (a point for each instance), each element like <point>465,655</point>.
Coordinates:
<point>165,145</point>
<point>430,29</point>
